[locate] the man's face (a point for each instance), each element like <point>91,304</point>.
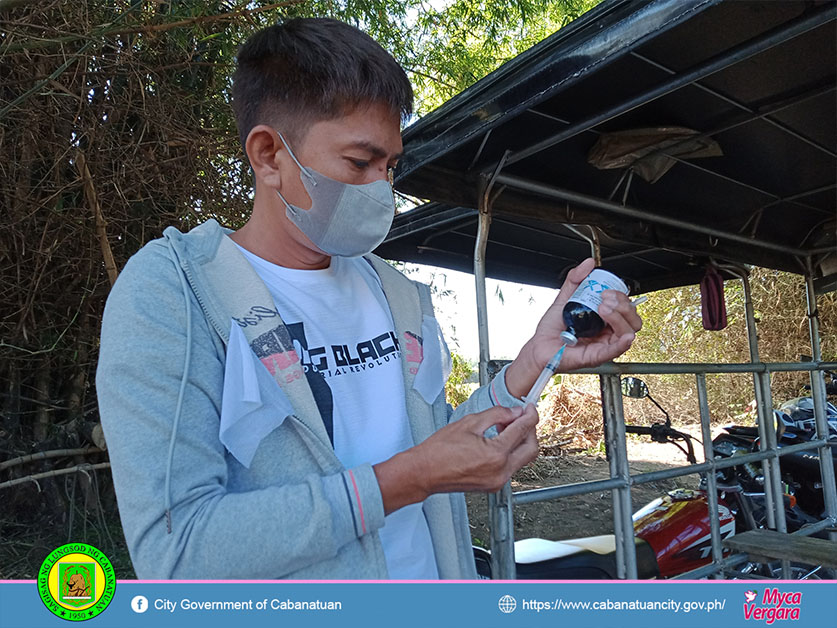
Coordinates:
<point>357,148</point>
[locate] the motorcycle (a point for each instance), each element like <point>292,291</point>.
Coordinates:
<point>672,533</point>
<point>799,412</point>
<point>800,471</point>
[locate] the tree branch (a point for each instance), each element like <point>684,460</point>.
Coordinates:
<point>108,29</point>
<point>157,28</point>
<point>54,453</point>
<point>51,474</point>
<point>101,224</point>
<point>60,70</point>
<point>7,5</point>
<point>429,76</point>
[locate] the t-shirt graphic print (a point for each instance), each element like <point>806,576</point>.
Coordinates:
<point>344,335</point>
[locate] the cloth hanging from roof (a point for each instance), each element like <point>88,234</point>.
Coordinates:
<point>713,304</point>
<point>650,152</point>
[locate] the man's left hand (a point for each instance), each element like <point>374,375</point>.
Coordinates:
<point>616,310</point>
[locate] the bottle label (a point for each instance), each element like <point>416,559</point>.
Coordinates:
<point>589,293</point>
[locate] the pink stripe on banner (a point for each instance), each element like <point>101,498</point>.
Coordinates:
<point>359,504</point>
<point>616,582</point>
<point>291,581</point>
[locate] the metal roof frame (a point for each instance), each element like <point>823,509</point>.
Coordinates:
<point>451,153</point>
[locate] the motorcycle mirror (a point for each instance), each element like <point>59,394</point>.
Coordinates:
<point>634,387</point>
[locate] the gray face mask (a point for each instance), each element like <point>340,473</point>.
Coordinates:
<point>345,220</point>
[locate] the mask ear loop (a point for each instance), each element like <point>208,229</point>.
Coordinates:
<point>302,169</point>
<point>287,205</point>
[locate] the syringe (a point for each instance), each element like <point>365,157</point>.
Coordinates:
<point>546,374</point>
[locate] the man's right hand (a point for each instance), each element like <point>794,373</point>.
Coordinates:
<point>460,458</point>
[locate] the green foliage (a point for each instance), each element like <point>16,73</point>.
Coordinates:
<point>599,449</point>
<point>457,388</point>
<point>453,47</point>
<point>499,294</point>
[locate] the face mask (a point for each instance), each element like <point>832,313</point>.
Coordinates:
<point>345,220</point>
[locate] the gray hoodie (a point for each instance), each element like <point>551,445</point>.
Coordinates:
<point>189,509</point>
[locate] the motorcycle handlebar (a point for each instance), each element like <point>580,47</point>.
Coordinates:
<point>638,429</point>
<point>662,433</point>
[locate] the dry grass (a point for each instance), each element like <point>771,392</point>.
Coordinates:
<point>571,414</point>
<point>542,469</point>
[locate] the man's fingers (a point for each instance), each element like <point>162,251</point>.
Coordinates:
<point>604,351</point>
<point>517,432</point>
<point>524,453</point>
<point>498,416</point>
<point>579,273</point>
<point>573,280</point>
<point>618,312</point>
<point>465,462</point>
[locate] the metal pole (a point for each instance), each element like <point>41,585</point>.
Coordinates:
<point>765,415</point>
<point>500,518</point>
<point>763,410</point>
<point>752,333</point>
<point>622,512</point>
<point>690,368</point>
<point>611,446</point>
<point>479,278</point>
<point>709,456</point>
<point>585,200</point>
<point>567,490</point>
<point>500,514</point>
<point>773,469</point>
<point>829,488</point>
<point>772,463</point>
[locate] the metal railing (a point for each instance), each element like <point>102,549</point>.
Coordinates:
<point>621,479</point>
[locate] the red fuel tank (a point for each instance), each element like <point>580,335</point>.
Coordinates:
<point>677,527</point>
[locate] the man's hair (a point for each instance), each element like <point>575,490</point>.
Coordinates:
<point>307,70</point>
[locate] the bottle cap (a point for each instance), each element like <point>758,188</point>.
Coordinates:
<point>569,338</point>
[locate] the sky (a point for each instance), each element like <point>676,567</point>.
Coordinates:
<point>511,321</point>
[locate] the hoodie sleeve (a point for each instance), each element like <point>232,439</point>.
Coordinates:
<point>216,533</point>
<point>485,397</point>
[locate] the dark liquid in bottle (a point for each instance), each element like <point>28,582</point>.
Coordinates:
<point>581,322</point>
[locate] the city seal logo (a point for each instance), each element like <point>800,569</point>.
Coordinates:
<point>76,582</point>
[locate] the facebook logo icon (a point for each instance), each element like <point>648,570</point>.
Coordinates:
<point>139,604</point>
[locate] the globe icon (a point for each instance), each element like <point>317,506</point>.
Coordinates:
<point>507,604</point>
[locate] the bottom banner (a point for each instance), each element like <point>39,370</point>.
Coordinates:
<point>483,604</point>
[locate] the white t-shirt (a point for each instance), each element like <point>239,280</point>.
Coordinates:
<point>346,340</point>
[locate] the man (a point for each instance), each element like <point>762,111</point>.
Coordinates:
<point>273,398</point>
